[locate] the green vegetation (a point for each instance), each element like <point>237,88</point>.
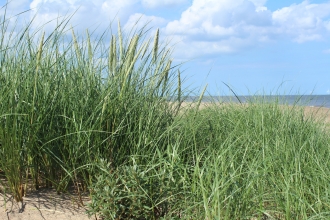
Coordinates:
<point>95,113</point>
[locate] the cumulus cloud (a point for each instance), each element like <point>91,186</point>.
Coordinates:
<point>162,3</point>
<point>226,26</point>
<point>87,14</point>
<point>206,27</point>
<point>138,20</point>
<point>15,7</point>
<point>303,22</point>
<point>259,3</point>
<point>16,12</point>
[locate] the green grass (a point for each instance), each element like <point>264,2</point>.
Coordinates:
<point>94,112</point>
<point>259,160</point>
<point>64,107</point>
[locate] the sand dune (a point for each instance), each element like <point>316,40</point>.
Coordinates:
<point>47,204</point>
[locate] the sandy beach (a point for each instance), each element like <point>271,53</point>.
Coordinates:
<point>319,112</point>
<point>43,204</point>
<point>47,204</point>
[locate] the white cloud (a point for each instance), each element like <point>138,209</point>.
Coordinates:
<point>226,26</point>
<point>17,12</point>
<point>162,3</point>
<point>16,6</point>
<point>139,20</point>
<point>207,27</point>
<point>259,3</point>
<point>213,26</point>
<point>303,22</point>
<point>88,14</point>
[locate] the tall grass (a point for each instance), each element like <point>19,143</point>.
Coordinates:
<point>69,101</point>
<point>259,160</point>
<point>94,113</point>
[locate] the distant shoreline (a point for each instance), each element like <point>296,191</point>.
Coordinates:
<point>301,100</point>
<point>319,112</point>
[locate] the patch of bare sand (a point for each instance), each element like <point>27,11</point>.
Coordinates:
<point>320,113</point>
<point>43,204</point>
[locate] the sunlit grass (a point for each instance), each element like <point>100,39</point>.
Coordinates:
<point>258,160</point>
<point>95,113</point>
<point>64,106</point>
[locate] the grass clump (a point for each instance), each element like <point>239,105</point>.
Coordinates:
<point>94,113</point>
<point>259,160</point>
<point>67,102</point>
<point>133,191</point>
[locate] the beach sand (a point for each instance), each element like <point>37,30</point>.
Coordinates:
<point>319,113</point>
<point>43,204</point>
<point>47,204</point>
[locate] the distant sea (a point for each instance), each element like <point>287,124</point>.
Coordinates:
<point>303,100</point>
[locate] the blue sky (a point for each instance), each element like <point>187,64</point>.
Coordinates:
<point>255,46</point>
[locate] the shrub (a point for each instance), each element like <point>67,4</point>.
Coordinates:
<point>135,192</point>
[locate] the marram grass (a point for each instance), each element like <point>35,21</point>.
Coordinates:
<point>95,113</point>
<point>64,108</point>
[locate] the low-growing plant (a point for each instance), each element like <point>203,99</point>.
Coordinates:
<point>136,192</point>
